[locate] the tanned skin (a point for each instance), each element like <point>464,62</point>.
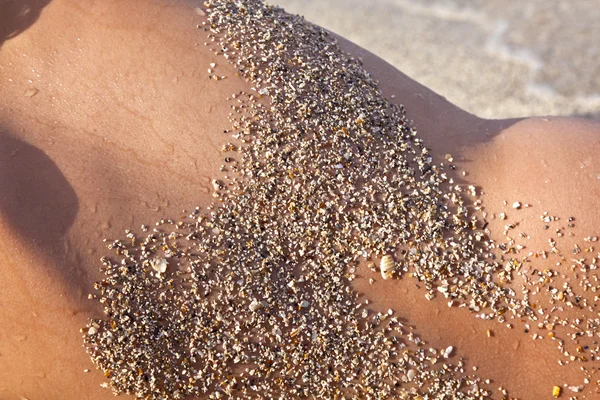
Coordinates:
<point>108,121</point>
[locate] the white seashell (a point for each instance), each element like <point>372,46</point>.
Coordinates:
<point>448,351</point>
<point>410,375</point>
<point>255,305</point>
<point>387,266</point>
<point>159,265</point>
<point>292,285</point>
<point>92,331</point>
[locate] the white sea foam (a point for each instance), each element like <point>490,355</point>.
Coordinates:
<point>495,28</point>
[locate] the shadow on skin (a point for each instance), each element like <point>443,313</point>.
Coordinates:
<point>38,204</point>
<point>591,116</point>
<point>18,15</point>
<point>444,127</point>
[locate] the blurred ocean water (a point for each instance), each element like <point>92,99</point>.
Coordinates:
<point>494,58</point>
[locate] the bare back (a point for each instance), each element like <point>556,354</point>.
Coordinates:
<point>110,119</point>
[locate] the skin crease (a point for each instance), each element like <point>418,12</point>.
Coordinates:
<point>124,128</point>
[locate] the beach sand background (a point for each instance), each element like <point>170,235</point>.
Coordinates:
<point>493,58</point>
